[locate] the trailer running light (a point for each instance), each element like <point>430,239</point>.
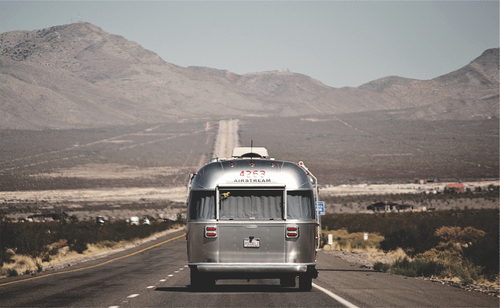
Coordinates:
<point>211,231</point>
<point>292,232</point>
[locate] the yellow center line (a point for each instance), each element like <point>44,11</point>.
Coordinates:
<point>93,266</point>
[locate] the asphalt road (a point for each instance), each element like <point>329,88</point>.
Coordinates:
<point>158,277</point>
<point>227,138</point>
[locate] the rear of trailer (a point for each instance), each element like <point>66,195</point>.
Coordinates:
<point>252,217</point>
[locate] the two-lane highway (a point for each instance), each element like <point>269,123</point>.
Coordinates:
<point>157,276</point>
<point>227,138</point>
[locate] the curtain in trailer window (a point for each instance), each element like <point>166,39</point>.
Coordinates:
<point>267,207</point>
<point>235,206</point>
<point>251,204</point>
<point>300,205</point>
<point>202,205</point>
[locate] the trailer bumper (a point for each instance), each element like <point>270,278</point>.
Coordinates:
<point>255,270</point>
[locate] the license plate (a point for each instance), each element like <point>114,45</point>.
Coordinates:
<point>251,244</point>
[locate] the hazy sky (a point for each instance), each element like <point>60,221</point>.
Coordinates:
<point>340,43</point>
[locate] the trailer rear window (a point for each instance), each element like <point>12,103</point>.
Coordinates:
<point>202,205</point>
<point>300,205</point>
<point>251,205</point>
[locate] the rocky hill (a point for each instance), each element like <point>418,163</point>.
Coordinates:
<point>77,75</point>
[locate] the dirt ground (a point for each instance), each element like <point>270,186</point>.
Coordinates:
<point>387,189</point>
<point>143,169</point>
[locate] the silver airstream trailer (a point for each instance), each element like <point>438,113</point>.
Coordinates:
<point>252,217</point>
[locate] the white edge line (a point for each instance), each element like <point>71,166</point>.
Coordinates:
<point>335,297</point>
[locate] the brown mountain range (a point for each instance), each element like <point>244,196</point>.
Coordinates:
<point>77,75</point>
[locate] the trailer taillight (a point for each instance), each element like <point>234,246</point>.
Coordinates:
<point>211,231</point>
<point>292,232</point>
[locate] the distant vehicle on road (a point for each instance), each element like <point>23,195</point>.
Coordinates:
<point>134,220</point>
<point>252,217</point>
<point>99,220</point>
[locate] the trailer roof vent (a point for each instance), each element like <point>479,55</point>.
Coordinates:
<point>250,152</point>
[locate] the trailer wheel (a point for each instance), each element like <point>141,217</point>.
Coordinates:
<point>287,282</point>
<point>195,279</point>
<point>200,282</point>
<point>305,283</point>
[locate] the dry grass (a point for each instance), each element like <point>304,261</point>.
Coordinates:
<point>352,242</point>
<point>398,254</point>
<point>21,265</point>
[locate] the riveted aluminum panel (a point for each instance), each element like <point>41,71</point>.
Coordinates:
<point>303,248</point>
<point>200,248</point>
<point>271,248</point>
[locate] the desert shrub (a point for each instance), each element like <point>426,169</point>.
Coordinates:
<point>106,244</point>
<point>429,267</point>
<point>41,240</point>
<point>6,239</point>
<point>467,272</point>
<point>31,239</point>
<point>412,239</point>
<point>458,235</point>
<point>415,232</point>
<point>381,267</point>
<point>12,272</point>
<point>417,267</point>
<point>484,252</point>
<point>460,244</point>
<point>385,223</point>
<point>78,244</point>
<point>5,256</point>
<point>453,259</point>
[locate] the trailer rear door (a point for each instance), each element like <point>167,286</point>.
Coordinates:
<point>251,226</point>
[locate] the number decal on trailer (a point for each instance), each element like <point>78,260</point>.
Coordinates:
<point>253,174</point>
